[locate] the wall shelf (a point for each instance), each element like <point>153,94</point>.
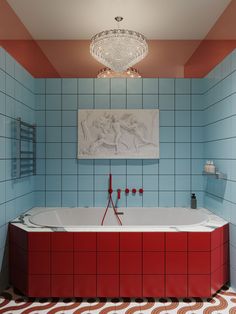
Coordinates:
<point>217,174</point>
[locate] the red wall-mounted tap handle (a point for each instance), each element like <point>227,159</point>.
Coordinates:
<point>140,191</point>
<point>134,191</point>
<point>126,191</point>
<point>110,191</point>
<point>110,181</point>
<point>118,193</point>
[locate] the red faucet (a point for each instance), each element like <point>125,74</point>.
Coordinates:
<point>118,193</point>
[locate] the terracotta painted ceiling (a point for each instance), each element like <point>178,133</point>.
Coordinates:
<point>51,38</point>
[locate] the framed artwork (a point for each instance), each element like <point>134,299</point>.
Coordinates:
<point>118,134</point>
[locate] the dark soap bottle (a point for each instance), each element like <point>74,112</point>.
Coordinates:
<point>193,201</point>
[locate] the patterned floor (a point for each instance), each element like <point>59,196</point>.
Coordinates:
<point>223,302</point>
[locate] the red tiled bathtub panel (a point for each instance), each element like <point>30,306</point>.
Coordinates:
<point>87,264</point>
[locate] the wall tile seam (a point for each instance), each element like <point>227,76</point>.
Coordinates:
<point>219,140</point>
<point>219,120</point>
<point>218,101</point>
<point>17,100</point>
<point>18,197</point>
<point>25,86</point>
<point>221,198</point>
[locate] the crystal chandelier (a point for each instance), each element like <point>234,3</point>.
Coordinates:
<point>118,49</point>
<point>108,73</point>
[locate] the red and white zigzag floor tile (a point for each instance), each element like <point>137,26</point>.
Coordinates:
<point>224,302</point>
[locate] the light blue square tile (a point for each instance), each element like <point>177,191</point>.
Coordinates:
<point>118,166</point>
<point>197,183</point>
<point>69,150</point>
<point>85,166</point>
<point>150,182</point>
<point>182,134</point>
<point>166,166</point>
<point>182,118</point>
<point>3,236</point>
<point>167,150</point>
<point>39,182</point>
<point>150,199</point>
<point>40,86</point>
<point>53,150</point>
<point>182,150</point>
<point>134,101</point>
<point>101,166</point>
<point>2,169</point>
<point>85,86</point>
<point>182,199</point>
<point>198,85</point>
<point>197,134</point>
<point>102,101</point>
<point>102,86</point>
<point>2,103</point>
<point>53,102</point>
<point>197,166</point>
<point>150,85</point>
<point>86,102</point>
<point>69,199</point>
<point>100,198</point>
<point>182,182</point>
<point>10,65</point>
<point>2,215</point>
<point>2,125</point>
<point>69,134</point>
<point>10,86</point>
<point>53,199</point>
<point>85,182</point>
<point>53,166</point>
<point>182,166</point>
<point>53,182</point>
<point>166,118</point>
<point>166,199</point>
<point>134,200</point>
<point>69,86</point>
<point>69,118</point>
<point>134,181</point>
<point>166,102</point>
<point>134,166</point>
<point>69,166</point>
<point>119,182</point>
<point>53,118</point>
<point>40,166</point>
<point>167,134</point>
<point>40,118</point>
<point>150,101</point>
<point>2,81</point>
<point>182,86</point>
<point>197,118</point>
<point>101,182</point>
<point>53,134</point>
<point>40,102</point>
<point>166,182</point>
<point>197,102</point>
<point>150,166</point>
<point>69,102</point>
<point>118,101</point>
<point>182,102</point>
<point>166,86</point>
<point>10,210</point>
<point>2,59</point>
<point>85,199</point>
<point>118,86</point>
<point>197,150</point>
<point>69,182</point>
<point>53,86</point>
<point>134,86</point>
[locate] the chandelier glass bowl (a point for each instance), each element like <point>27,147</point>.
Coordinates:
<point>118,49</point>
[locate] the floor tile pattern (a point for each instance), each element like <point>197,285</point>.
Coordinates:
<point>224,302</point>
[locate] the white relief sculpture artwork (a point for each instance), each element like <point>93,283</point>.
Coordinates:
<point>106,134</point>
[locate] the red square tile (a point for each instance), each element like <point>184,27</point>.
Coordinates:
<point>85,286</point>
<point>19,236</point>
<point>130,241</point>
<point>225,253</point>
<point>130,263</point>
<point>153,262</point>
<point>19,258</point>
<point>225,234</point>
<point>19,280</point>
<point>199,286</point>
<point>85,241</point>
<point>39,241</point>
<point>176,241</point>
<point>153,286</point>
<point>131,286</point>
<point>39,263</point>
<point>39,286</point>
<point>85,262</point>
<point>216,238</point>
<point>62,241</point>
<point>199,263</point>
<point>108,262</point>
<point>176,262</point>
<point>216,280</point>
<point>216,258</point>
<point>108,286</point>
<point>153,241</point>
<point>199,241</point>
<point>62,262</point>
<point>62,286</point>
<point>108,241</point>
<point>176,286</point>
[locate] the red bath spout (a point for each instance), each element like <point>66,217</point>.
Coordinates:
<point>110,184</point>
<point>118,193</point>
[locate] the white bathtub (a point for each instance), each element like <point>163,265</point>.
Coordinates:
<point>133,219</point>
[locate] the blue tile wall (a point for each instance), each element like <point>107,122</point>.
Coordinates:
<point>219,134</point>
<point>17,99</point>
<point>66,181</point>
